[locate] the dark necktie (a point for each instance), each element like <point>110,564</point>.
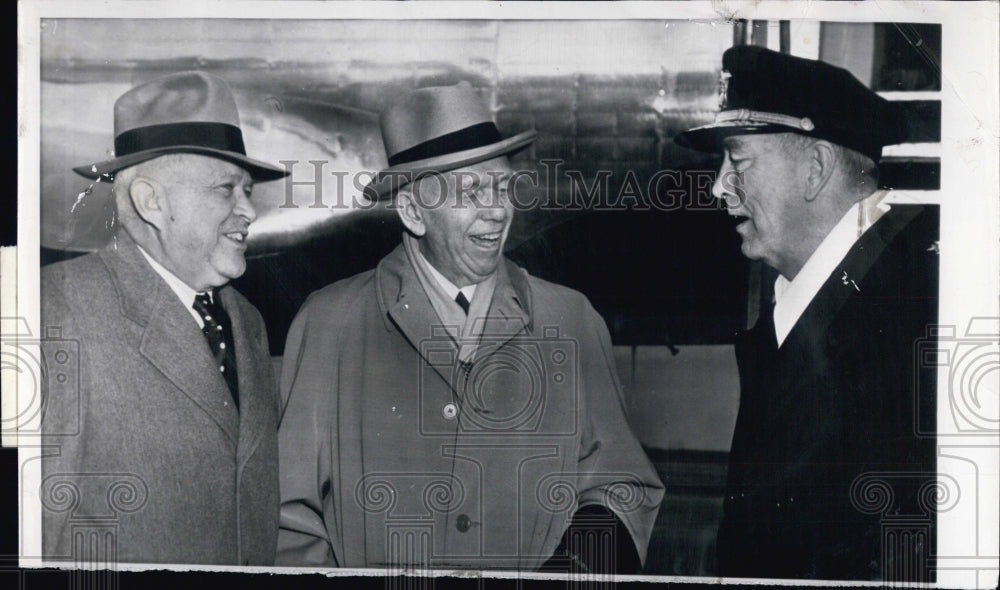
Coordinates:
<point>218,331</point>
<point>462,302</point>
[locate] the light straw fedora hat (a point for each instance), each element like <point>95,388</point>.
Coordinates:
<point>437,129</point>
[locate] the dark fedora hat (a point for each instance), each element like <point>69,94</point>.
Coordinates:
<point>763,91</point>
<point>437,129</point>
<point>187,112</point>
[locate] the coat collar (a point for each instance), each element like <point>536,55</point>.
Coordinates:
<point>404,306</point>
<point>169,336</point>
<point>396,284</point>
<point>848,280</point>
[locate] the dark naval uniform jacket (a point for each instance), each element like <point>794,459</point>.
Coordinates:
<point>829,475</point>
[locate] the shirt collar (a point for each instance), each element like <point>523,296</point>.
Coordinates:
<point>464,328</point>
<point>449,288</point>
<point>183,291</point>
<point>792,297</point>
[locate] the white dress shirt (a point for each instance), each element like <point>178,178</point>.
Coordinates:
<point>791,298</point>
<point>465,328</point>
<point>449,288</point>
<point>183,291</point>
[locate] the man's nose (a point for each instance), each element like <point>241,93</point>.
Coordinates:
<point>495,206</point>
<point>494,213</point>
<point>725,183</point>
<point>717,191</point>
<point>244,208</point>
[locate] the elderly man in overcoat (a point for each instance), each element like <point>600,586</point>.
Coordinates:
<point>164,448</point>
<point>832,467</point>
<point>447,409</point>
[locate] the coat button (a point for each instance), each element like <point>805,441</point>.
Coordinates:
<point>463,523</point>
<point>449,411</point>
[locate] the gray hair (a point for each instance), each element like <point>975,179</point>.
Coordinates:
<point>862,169</point>
<point>160,167</point>
<point>858,169</point>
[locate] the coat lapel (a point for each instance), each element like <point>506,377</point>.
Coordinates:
<point>848,280</point>
<point>411,312</point>
<point>510,310</point>
<point>408,308</point>
<point>171,340</point>
<point>252,367</point>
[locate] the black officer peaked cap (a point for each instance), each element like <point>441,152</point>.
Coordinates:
<point>763,91</point>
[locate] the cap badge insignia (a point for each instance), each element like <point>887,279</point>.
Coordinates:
<point>724,77</point>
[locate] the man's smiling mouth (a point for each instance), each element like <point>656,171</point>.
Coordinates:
<point>490,240</point>
<point>237,236</point>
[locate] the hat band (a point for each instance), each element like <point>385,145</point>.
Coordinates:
<point>474,136</point>
<point>749,116</point>
<point>220,136</point>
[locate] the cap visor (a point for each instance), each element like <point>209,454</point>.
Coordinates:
<point>394,177</point>
<point>258,170</point>
<point>709,138</point>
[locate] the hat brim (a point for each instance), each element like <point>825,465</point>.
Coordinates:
<point>708,138</point>
<point>258,170</point>
<point>387,181</point>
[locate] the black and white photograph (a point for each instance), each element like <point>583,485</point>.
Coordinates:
<point>460,293</point>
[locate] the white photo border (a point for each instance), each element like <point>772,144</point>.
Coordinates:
<point>970,207</point>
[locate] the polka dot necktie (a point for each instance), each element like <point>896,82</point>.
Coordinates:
<point>218,331</point>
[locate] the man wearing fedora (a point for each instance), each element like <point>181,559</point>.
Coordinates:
<point>827,462</point>
<point>446,409</point>
<point>170,431</point>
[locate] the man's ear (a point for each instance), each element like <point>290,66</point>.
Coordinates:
<point>410,212</point>
<point>149,200</point>
<point>822,163</point>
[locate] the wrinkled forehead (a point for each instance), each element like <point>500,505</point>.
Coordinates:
<point>764,141</point>
<point>486,173</point>
<point>214,167</point>
<point>494,173</point>
<point>737,142</point>
<point>197,168</point>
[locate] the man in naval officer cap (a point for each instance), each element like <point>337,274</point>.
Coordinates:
<point>831,389</point>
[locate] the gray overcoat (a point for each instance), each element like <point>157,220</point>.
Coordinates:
<point>145,446</point>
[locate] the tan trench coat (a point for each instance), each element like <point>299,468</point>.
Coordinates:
<point>393,453</point>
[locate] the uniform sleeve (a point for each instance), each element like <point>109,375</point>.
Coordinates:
<point>615,470</point>
<point>304,447</point>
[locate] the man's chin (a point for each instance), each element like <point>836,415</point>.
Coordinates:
<point>748,250</point>
<point>224,273</point>
<point>233,275</point>
<point>482,272</point>
<point>490,267</point>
